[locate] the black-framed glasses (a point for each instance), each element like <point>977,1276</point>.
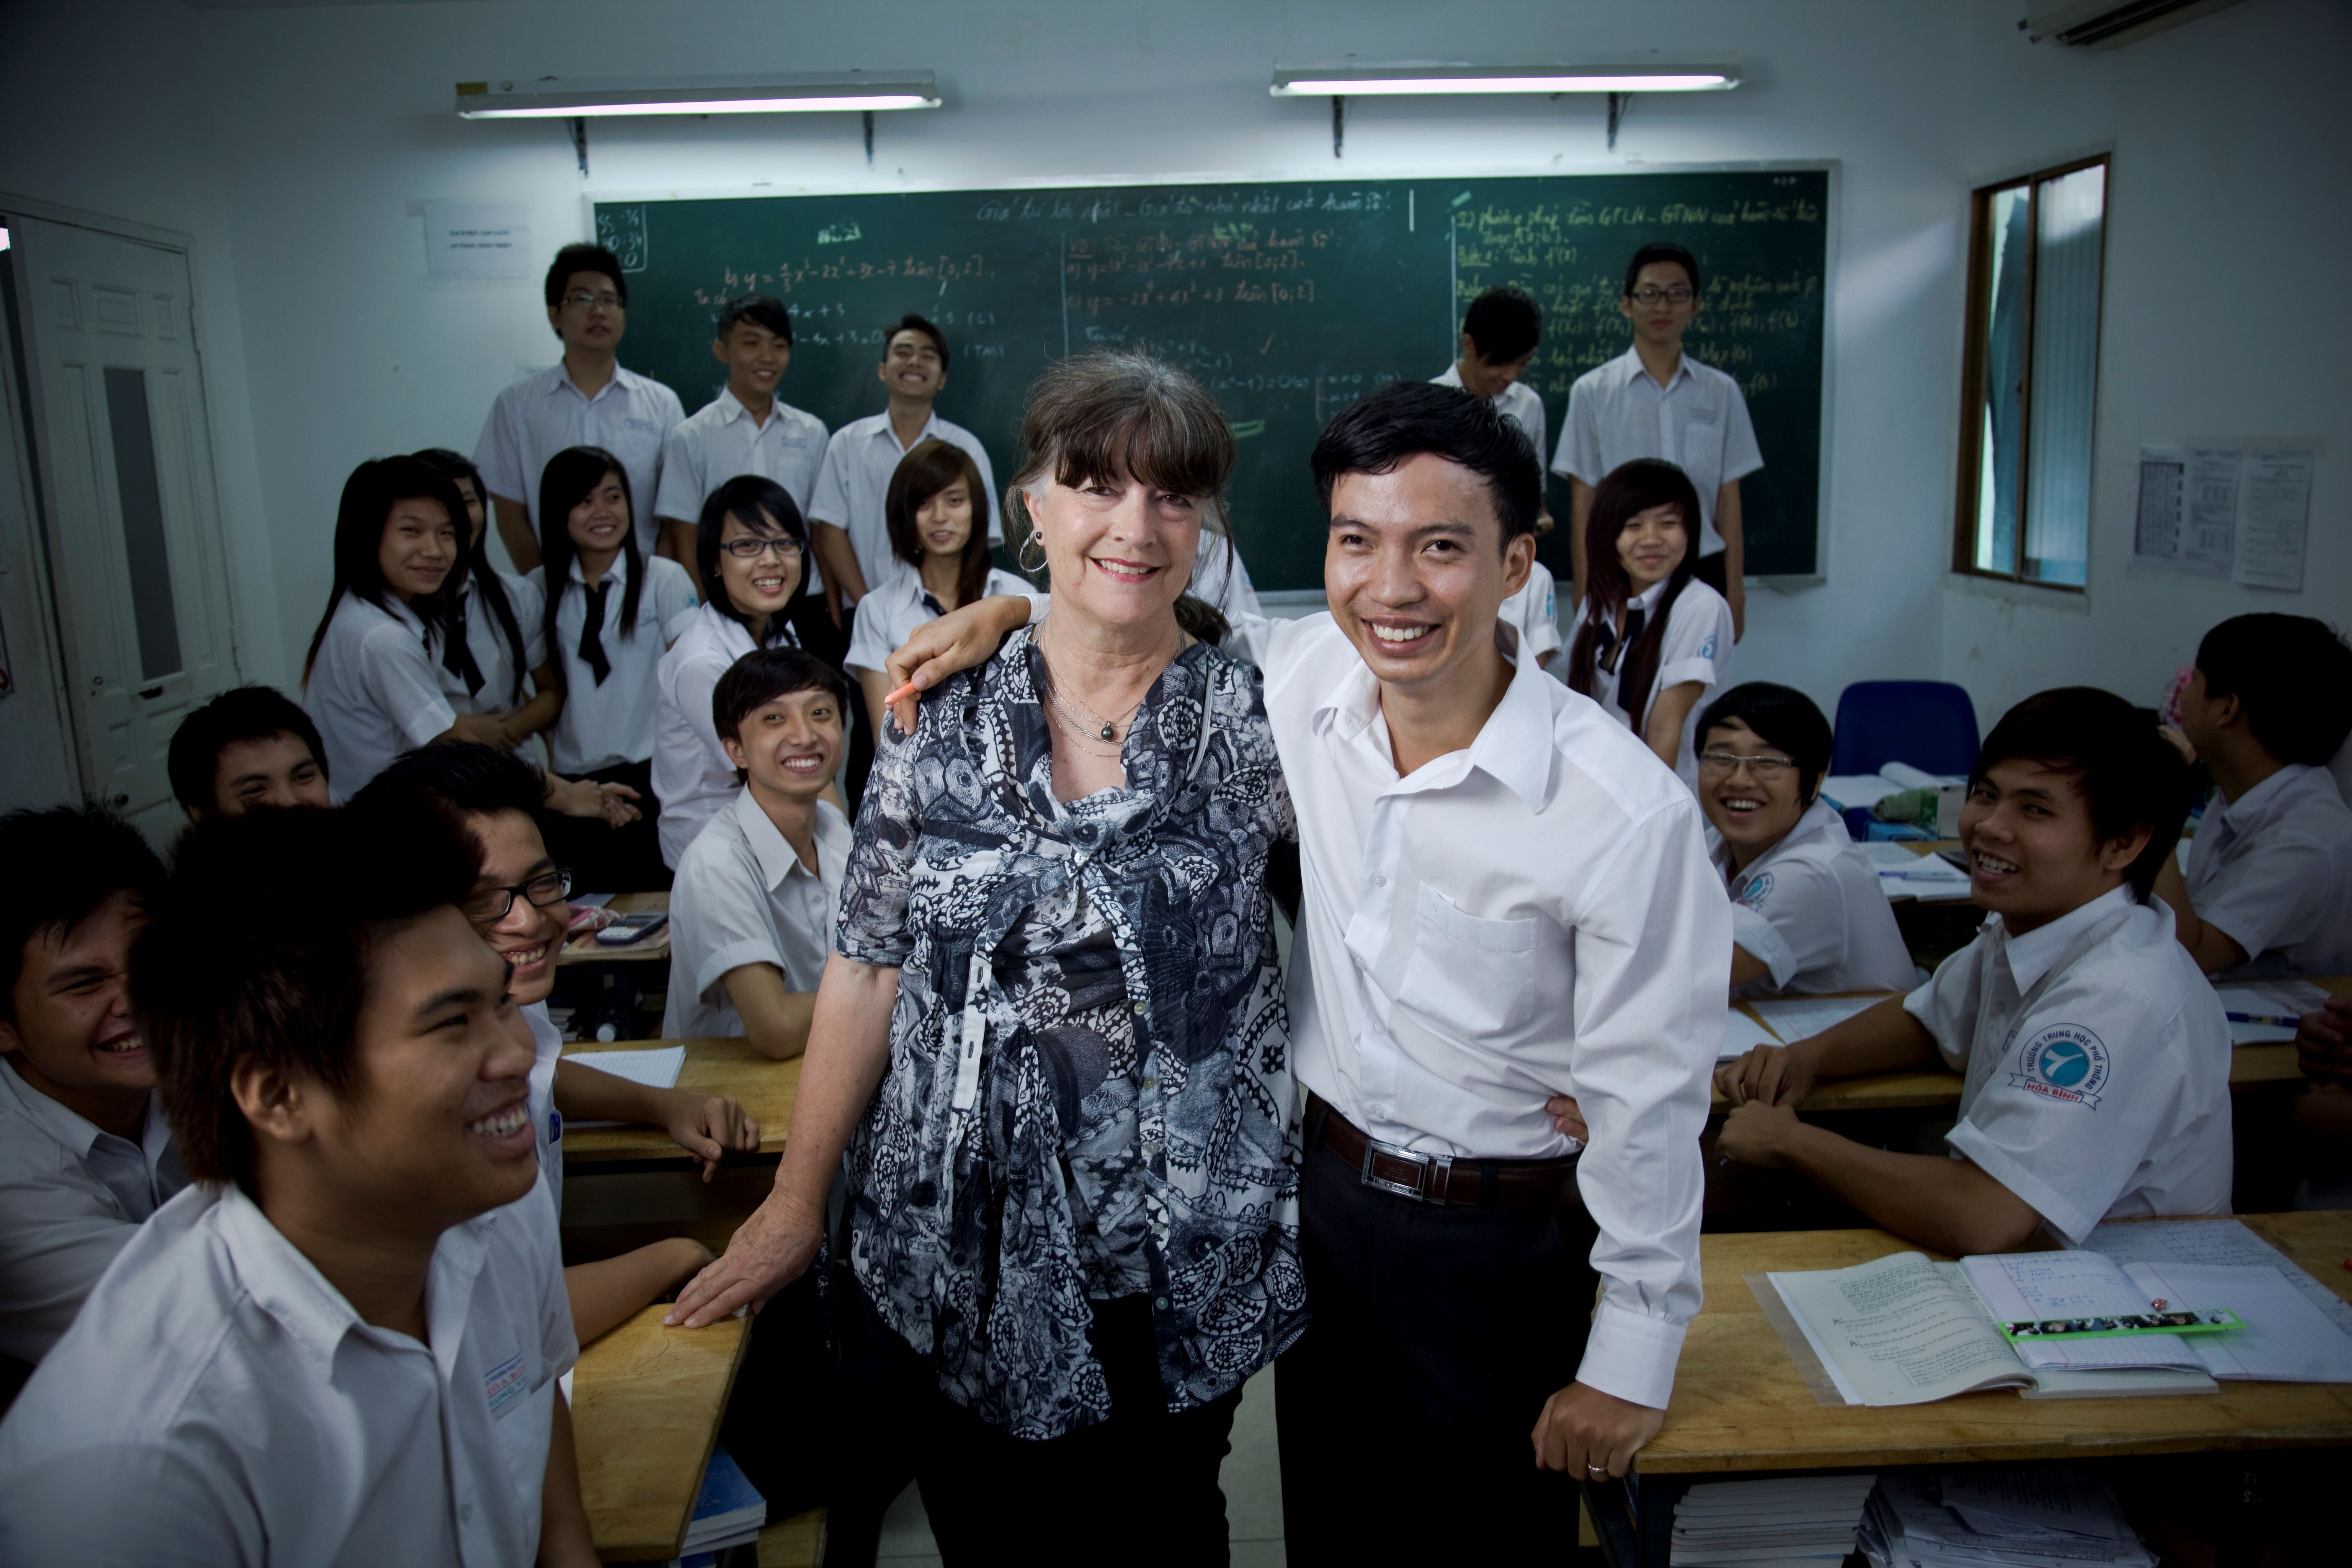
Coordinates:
<point>752,549</point>
<point>487,906</point>
<point>591,302</point>
<point>1765,770</point>
<point>1651,294</point>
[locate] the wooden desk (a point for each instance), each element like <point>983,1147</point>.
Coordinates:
<point>646,1403</point>
<point>765,1089</point>
<point>652,949</point>
<point>1739,1404</point>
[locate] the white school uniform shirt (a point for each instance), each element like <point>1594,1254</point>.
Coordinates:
<point>547,1045</point>
<point>744,897</point>
<point>2273,872</point>
<point>887,616</point>
<point>1220,578</point>
<point>2096,1062</point>
<point>1534,612</point>
<point>70,1196</point>
<point>544,412</point>
<point>1532,916</point>
<point>1699,421</point>
<point>1810,910</point>
<point>1518,403</point>
<point>602,726</point>
<point>1698,647</point>
<point>722,441</point>
<point>494,660</point>
<point>692,777</point>
<point>374,691</point>
<point>855,479</point>
<point>219,1404</point>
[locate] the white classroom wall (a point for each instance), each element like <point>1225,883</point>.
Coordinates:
<point>295,143</point>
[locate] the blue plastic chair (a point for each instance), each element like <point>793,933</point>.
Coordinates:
<point>1930,724</point>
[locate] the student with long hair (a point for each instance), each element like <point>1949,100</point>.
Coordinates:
<point>610,613</point>
<point>932,509</point>
<point>753,550</point>
<point>494,630</point>
<point>1651,639</point>
<point>371,682</point>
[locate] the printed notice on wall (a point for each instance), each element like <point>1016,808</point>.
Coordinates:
<point>2238,509</point>
<point>464,240</point>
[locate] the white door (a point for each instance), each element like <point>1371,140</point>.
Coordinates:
<point>125,459</point>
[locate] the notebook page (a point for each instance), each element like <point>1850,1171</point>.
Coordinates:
<point>2019,1285</point>
<point>655,1068</point>
<point>1742,1034</point>
<point>2216,1241</point>
<point>2286,1340</point>
<point>1794,1018</point>
<point>1898,1330</point>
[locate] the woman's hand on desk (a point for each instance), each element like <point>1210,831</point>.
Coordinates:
<point>707,1125</point>
<point>771,1250</point>
<point>1775,1074</point>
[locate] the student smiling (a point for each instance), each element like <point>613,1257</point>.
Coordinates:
<point>2096,1056</point>
<point>248,747</point>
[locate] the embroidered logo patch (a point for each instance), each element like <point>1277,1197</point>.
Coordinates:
<point>2064,1062</point>
<point>505,1386</point>
<point>1758,888</point>
<point>1706,649</point>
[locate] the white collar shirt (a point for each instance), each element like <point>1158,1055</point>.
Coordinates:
<point>1518,403</point>
<point>70,1196</point>
<point>744,897</point>
<point>1696,646</point>
<point>2096,1062</point>
<point>1532,916</point>
<point>692,777</point>
<point>546,412</point>
<point>723,441</point>
<point>2271,870</point>
<point>547,1048</point>
<point>608,723</point>
<point>374,691</point>
<point>219,1403</point>
<point>1221,577</point>
<point>1809,911</point>
<point>855,479</point>
<point>1534,612</point>
<point>1699,421</point>
<point>887,616</point>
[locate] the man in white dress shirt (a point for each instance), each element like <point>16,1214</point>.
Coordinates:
<point>341,1346</point>
<point>1655,401</point>
<point>2268,888</point>
<point>85,1153</point>
<point>1507,898</point>
<point>587,400</point>
<point>745,430</point>
<point>1500,332</point>
<point>846,526</point>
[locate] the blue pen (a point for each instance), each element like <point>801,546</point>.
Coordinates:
<point>2271,1018</point>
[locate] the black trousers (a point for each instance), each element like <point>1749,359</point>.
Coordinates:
<point>1138,1490</point>
<point>605,859</point>
<point>1435,1336</point>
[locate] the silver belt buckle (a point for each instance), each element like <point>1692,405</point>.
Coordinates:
<point>1418,1188</point>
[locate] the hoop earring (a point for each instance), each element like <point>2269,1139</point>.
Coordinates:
<point>1021,555</point>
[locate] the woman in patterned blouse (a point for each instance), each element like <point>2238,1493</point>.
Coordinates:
<point>1051,1033</point>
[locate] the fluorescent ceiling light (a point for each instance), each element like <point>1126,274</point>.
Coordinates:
<point>1372,81</point>
<point>810,93</point>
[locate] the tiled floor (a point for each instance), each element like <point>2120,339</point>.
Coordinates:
<point>1251,1478</point>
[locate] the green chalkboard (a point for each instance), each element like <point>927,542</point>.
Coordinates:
<point>1290,300</point>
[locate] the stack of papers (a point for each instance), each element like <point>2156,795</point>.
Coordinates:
<point>1803,1520</point>
<point>729,1513</point>
<point>655,1068</point>
<point>1902,873</point>
<point>2269,999</point>
<point>2016,1518</point>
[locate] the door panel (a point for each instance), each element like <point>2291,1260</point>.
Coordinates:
<point>119,412</point>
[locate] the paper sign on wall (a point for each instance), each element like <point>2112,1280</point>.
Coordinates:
<point>2237,509</point>
<point>465,240</point>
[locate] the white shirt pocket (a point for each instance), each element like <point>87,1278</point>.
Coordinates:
<point>1469,975</point>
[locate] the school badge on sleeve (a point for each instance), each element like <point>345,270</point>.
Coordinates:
<point>2064,1062</point>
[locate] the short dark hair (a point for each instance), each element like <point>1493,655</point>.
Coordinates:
<point>760,311</point>
<point>63,862</point>
<point>2131,776</point>
<point>1405,419</point>
<point>243,960</point>
<point>1505,324</point>
<point>240,713</point>
<point>764,507</point>
<point>1661,251</point>
<point>465,776</point>
<point>765,674</point>
<point>911,322</point>
<point>2292,676</point>
<point>583,257</point>
<point>930,466</point>
<point>1780,716</point>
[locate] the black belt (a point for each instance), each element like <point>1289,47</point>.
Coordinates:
<point>1443,1179</point>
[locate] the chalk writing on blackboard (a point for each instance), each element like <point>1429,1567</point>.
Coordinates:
<point>622,231</point>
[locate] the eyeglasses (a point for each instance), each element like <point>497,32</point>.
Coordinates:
<point>594,301</point>
<point>1765,768</point>
<point>487,906</point>
<point>1651,294</point>
<point>752,549</point>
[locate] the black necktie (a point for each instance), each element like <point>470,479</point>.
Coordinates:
<point>931,603</point>
<point>592,630</point>
<point>456,652</point>
<point>1612,646</point>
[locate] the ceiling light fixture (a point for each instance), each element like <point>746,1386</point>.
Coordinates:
<point>812,93</point>
<point>1399,80</point>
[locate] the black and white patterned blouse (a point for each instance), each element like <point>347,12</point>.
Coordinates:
<point>1090,1092</point>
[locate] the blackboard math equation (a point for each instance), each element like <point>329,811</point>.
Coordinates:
<point>1053,206</point>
